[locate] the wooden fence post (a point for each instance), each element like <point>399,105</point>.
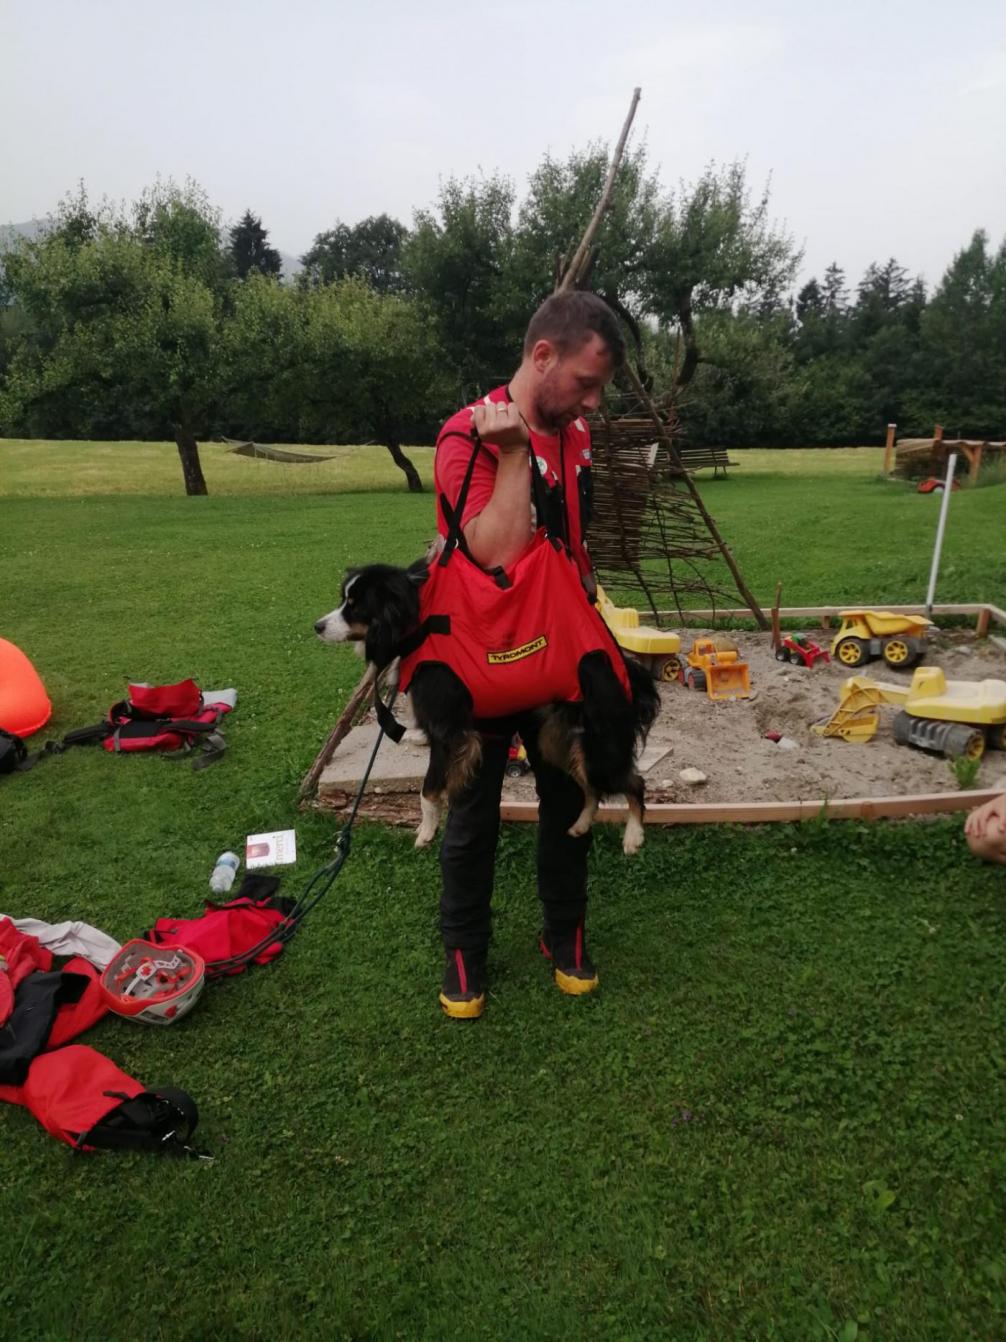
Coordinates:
<point>889,449</point>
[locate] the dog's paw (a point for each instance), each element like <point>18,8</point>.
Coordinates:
<point>427,830</point>
<point>580,827</point>
<point>633,838</point>
<point>415,736</point>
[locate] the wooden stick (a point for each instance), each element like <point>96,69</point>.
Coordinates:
<point>578,263</point>
<point>982,623</point>
<point>776,631</point>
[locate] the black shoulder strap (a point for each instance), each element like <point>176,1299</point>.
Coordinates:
<point>454,513</point>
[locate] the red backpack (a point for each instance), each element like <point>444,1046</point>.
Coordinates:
<point>176,719</point>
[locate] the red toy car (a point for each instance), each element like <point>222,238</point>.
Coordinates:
<point>933,486</point>
<point>800,648</point>
<point>517,761</point>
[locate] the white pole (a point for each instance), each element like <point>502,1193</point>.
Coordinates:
<point>940,525</point>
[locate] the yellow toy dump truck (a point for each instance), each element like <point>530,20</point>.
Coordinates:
<point>656,648</point>
<point>952,717</point>
<point>865,634</point>
<point>714,665</point>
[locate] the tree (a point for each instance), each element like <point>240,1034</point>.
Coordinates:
<point>180,224</point>
<point>747,388</point>
<point>882,291</point>
<point>249,248</point>
<point>375,369</point>
<point>339,363</point>
<point>459,259</point>
<point>963,344</point>
<point>810,302</point>
<point>834,290</point>
<point>372,248</point>
<point>711,246</point>
<point>561,198</point>
<point>265,373</point>
<point>118,338</point>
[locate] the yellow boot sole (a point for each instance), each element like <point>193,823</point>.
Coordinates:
<point>574,986</point>
<point>463,1010</point>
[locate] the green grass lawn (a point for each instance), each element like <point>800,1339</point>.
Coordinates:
<point>781,1117</point>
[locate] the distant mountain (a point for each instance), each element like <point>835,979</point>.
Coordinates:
<point>8,232</point>
<point>291,265</point>
<point>33,227</point>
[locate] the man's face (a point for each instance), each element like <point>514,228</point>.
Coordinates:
<point>570,385</point>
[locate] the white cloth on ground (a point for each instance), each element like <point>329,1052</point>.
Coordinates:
<point>70,938</point>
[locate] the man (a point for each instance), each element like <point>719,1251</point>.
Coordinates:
<point>572,347</point>
<point>985,830</point>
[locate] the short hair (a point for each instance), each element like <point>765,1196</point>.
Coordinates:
<point>569,319</point>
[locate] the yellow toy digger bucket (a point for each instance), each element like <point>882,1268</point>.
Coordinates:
<point>856,717</point>
<point>726,678</point>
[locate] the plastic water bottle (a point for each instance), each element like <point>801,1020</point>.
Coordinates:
<point>224,873</point>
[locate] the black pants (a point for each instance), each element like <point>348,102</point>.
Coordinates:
<point>468,850</point>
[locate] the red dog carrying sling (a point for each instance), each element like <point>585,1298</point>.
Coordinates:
<point>514,638</point>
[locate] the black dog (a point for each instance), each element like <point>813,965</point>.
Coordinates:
<point>594,740</point>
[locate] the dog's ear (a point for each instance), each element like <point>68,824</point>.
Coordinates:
<point>381,643</point>
<point>348,577</point>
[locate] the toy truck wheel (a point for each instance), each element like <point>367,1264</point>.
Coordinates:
<point>997,736</point>
<point>900,652</point>
<point>964,741</point>
<point>852,652</point>
<point>667,668</point>
<point>782,654</point>
<point>695,678</point>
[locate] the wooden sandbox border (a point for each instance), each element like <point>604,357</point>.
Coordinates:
<point>781,812</point>
<point>778,812</point>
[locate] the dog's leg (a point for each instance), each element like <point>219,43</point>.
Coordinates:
<point>432,796</point>
<point>576,767</point>
<point>634,833</point>
<point>585,819</point>
<point>430,822</point>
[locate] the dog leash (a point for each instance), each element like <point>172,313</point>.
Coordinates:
<point>322,880</point>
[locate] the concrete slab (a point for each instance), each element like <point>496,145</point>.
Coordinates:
<point>398,768</point>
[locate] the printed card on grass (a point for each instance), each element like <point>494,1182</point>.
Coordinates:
<point>277,849</point>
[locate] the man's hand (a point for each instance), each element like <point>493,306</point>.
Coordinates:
<point>988,821</point>
<point>501,424</point>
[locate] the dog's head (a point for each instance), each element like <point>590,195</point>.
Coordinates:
<point>380,605</point>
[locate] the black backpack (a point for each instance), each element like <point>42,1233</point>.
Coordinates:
<point>13,753</point>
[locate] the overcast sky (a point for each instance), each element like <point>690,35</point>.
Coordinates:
<point>883,124</point>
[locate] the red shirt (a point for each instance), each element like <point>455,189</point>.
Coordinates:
<point>562,458</point>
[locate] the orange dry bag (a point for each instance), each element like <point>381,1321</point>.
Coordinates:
<point>24,704</point>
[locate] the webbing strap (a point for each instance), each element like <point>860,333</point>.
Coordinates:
<point>433,624</point>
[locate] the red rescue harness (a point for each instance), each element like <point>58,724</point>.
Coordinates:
<point>515,637</point>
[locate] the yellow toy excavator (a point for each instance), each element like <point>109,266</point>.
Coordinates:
<point>865,634</point>
<point>714,665</point>
<point>656,648</point>
<point>952,717</point>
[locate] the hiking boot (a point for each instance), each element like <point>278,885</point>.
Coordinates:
<point>575,972</point>
<point>463,992</point>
